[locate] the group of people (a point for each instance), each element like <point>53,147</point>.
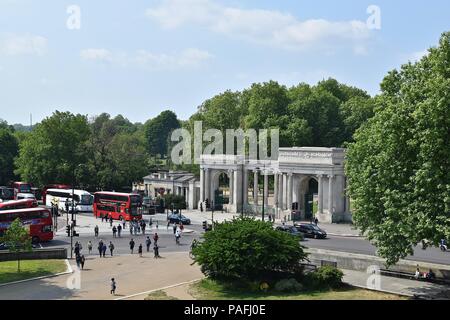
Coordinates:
<point>148,243</point>
<point>79,258</point>
<point>430,275</point>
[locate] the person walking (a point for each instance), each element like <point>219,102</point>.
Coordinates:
<point>316,221</point>
<point>113,286</point>
<point>124,223</point>
<point>78,260</point>
<point>110,221</point>
<point>148,242</point>
<point>132,243</point>
<point>177,236</point>
<point>100,248</point>
<point>140,250</point>
<point>131,228</point>
<point>114,230</point>
<point>143,225</point>
<point>104,250</point>
<point>82,261</point>
<point>111,248</point>
<point>89,245</point>
<point>156,251</point>
<point>155,238</point>
<point>96,231</point>
<point>119,229</point>
<point>174,228</point>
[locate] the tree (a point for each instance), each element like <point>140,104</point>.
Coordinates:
<point>158,131</point>
<point>9,149</point>
<point>398,166</point>
<point>178,201</point>
<point>18,240</point>
<point>53,149</point>
<point>247,249</point>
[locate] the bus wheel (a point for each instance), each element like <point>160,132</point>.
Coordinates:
<point>35,240</point>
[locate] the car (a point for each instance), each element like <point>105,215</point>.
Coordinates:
<point>177,218</point>
<point>21,196</point>
<point>291,230</point>
<point>146,202</point>
<point>310,230</point>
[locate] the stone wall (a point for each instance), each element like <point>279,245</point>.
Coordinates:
<point>38,254</point>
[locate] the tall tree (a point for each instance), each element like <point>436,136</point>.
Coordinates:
<point>54,149</point>
<point>9,149</point>
<point>158,131</point>
<point>398,166</point>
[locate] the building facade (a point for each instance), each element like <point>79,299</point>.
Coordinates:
<point>303,180</point>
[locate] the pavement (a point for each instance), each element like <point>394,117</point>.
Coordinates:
<point>86,223</point>
<point>405,287</point>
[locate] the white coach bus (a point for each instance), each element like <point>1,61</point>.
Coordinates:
<point>83,199</point>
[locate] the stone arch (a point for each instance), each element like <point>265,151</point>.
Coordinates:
<point>220,180</point>
<point>306,184</point>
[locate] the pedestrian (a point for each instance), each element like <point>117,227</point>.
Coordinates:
<point>89,245</point>
<point>155,238</point>
<point>110,220</point>
<point>124,222</point>
<point>76,249</point>
<point>156,251</point>
<point>143,225</point>
<point>181,227</point>
<point>201,206</point>
<point>174,228</point>
<point>96,231</point>
<point>82,260</point>
<point>178,236</point>
<point>104,250</point>
<point>102,217</point>
<point>148,242</point>
<point>114,230</point>
<point>140,250</point>
<point>78,260</point>
<point>100,248</point>
<point>113,286</point>
<point>119,229</point>
<point>132,243</point>
<point>131,228</point>
<point>111,248</point>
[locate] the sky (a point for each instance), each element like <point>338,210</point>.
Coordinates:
<point>138,58</point>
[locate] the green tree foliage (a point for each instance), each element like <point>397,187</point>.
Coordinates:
<point>18,239</point>
<point>158,131</point>
<point>247,249</point>
<point>398,167</point>
<point>52,150</point>
<point>9,149</point>
<point>179,202</point>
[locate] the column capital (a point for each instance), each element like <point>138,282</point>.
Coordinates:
<point>331,176</point>
<point>290,174</point>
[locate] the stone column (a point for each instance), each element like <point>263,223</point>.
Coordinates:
<point>275,190</point>
<point>231,177</point>
<point>330,194</point>
<point>202,185</point>
<point>255,187</point>
<point>237,190</point>
<point>266,189</point>
<point>191,195</point>
<point>207,184</point>
<point>245,177</point>
<point>285,192</point>
<point>280,191</point>
<point>320,204</point>
<point>289,192</point>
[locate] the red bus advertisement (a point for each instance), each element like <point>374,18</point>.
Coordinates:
<point>53,186</point>
<point>21,187</point>
<point>18,204</point>
<point>118,205</point>
<point>37,220</point>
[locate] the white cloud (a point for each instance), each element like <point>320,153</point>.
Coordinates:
<point>24,44</point>
<point>268,27</point>
<point>187,58</point>
<point>416,56</point>
<point>96,54</point>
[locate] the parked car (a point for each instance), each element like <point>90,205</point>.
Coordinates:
<point>291,230</point>
<point>177,218</point>
<point>310,230</point>
<point>21,196</point>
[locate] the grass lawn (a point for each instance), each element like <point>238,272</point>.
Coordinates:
<point>159,295</point>
<point>210,290</point>
<point>29,269</point>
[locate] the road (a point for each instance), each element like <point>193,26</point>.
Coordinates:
<point>167,244</point>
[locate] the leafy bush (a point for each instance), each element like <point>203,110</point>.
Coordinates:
<point>288,285</point>
<point>325,277</point>
<point>247,249</point>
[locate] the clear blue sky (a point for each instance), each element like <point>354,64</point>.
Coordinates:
<point>138,58</point>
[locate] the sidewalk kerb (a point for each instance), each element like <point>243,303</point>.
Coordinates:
<point>159,289</point>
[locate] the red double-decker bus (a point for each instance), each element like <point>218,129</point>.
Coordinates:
<point>117,205</point>
<point>18,204</point>
<point>21,187</point>
<point>37,220</point>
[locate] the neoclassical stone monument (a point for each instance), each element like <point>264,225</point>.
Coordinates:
<point>303,179</point>
<point>298,177</point>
